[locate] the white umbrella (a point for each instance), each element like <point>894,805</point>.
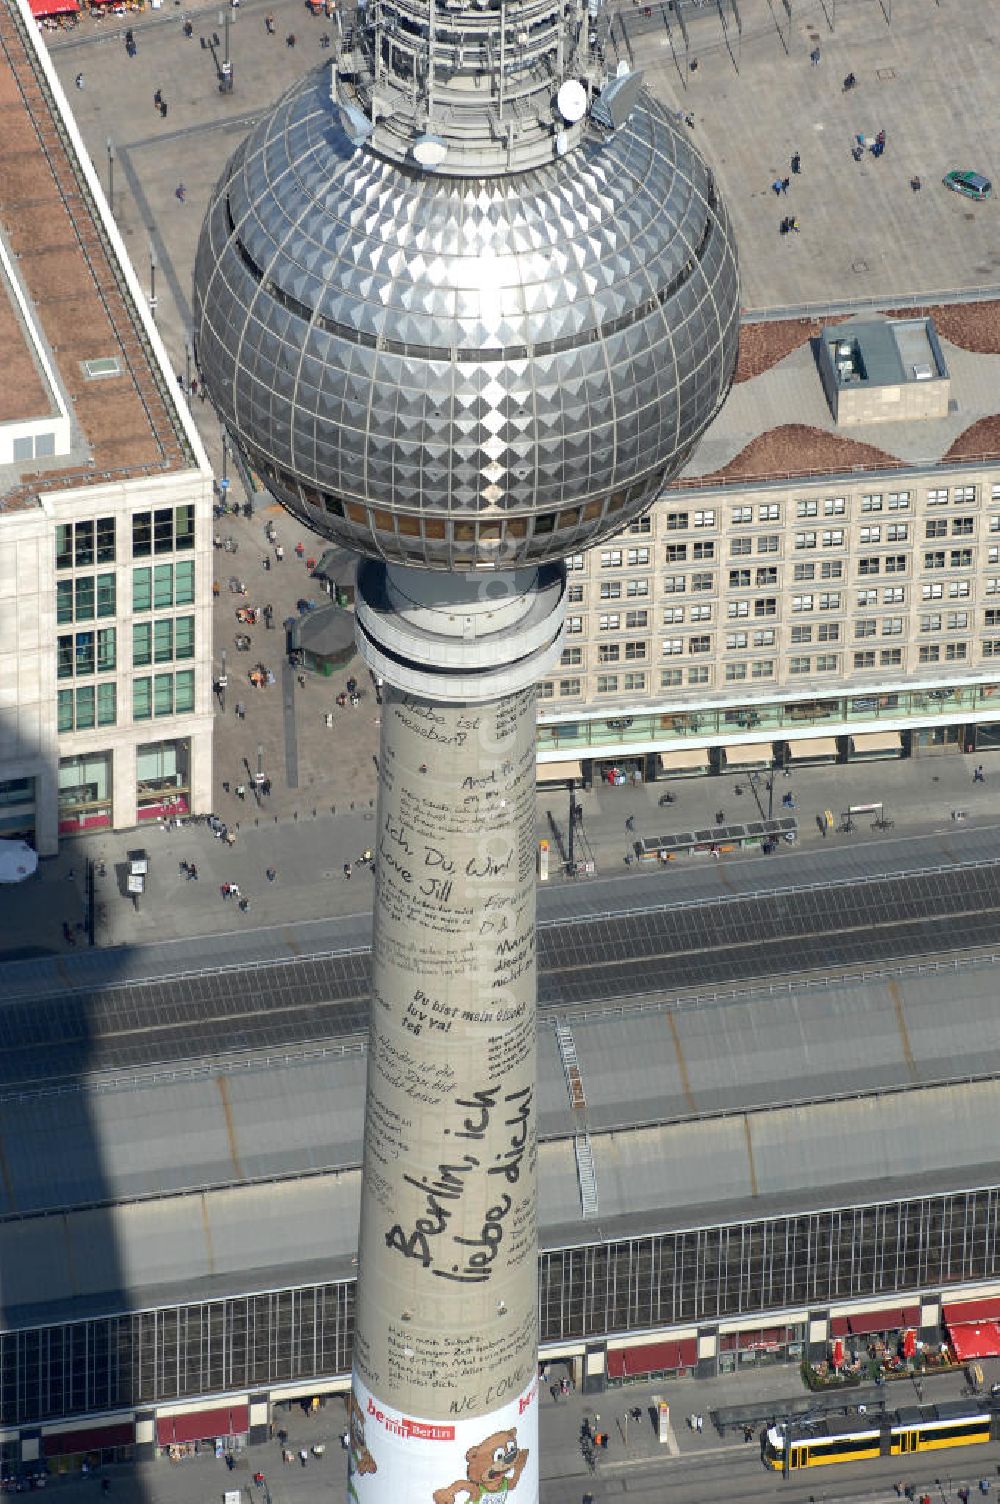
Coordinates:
<point>17,861</point>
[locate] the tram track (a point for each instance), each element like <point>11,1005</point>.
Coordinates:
<point>684,953</point>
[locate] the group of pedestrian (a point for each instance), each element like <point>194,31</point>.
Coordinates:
<point>696,1422</point>
<point>160,104</point>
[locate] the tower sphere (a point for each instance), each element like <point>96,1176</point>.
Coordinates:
<point>464,371</point>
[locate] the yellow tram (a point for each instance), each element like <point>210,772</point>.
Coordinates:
<point>953,1423</point>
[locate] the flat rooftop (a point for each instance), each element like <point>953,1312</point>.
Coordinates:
<point>23,391</point>
<point>777,422</point>
<point>126,424</point>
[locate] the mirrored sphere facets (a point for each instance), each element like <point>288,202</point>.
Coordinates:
<point>452,372</point>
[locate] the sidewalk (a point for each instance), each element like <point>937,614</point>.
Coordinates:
<point>308,847</point>
<point>203,1479</point>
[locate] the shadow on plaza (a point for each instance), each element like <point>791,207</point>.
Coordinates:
<point>72,1150</point>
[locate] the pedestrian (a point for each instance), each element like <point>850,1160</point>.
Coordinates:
<point>796,163</point>
<point>269,25</point>
<point>979,776</point>
<point>290,42</point>
<point>192,873</point>
<point>163,108</point>
<point>814,57</point>
<point>785,184</point>
<point>271,874</point>
<point>279,552</point>
<point>630,823</point>
<point>347,871</point>
<point>158,99</point>
<point>79,80</point>
<point>776,187</point>
<point>701,1422</point>
<point>720,817</point>
<point>180,193</point>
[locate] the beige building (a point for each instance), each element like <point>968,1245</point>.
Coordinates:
<point>822,582</point>
<point>105,504</point>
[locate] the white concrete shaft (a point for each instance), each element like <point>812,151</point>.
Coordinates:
<point>447,1268</point>
<point>463,638</point>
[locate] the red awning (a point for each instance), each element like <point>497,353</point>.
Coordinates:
<point>972,1310</point>
<point>651,1357</point>
<point>65,1443</point>
<point>203,1425</point>
<point>42,8</point>
<point>861,1324</point>
<point>970,1341</point>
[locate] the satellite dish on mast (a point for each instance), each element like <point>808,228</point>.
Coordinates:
<point>571,101</point>
<point>430,151</point>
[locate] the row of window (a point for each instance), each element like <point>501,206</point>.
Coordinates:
<point>153,588</point>
<point>829,506</point>
<point>868,567</point>
<point>87,706</point>
<point>830,600</point>
<point>80,654</point>
<point>735,672</point>
<point>90,705</point>
<point>163,530</point>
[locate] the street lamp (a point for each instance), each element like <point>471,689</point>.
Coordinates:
<point>111,174</point>
<point>226,83</point>
<point>152,280</point>
<point>187,364</point>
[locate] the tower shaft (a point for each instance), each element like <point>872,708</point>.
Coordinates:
<point>446,1340</point>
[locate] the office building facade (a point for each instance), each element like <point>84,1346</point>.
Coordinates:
<point>849,609</point>
<point>105,506</point>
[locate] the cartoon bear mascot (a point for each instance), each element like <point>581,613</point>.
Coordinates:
<point>492,1471</point>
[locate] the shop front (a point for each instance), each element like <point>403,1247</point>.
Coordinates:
<point>619,771</point>
<point>84,1449</point>
<point>936,741</point>
<point>569,771</point>
<point>163,779</point>
<point>973,1328</point>
<point>17,809</point>
<point>84,793</point>
<point>812,751</point>
<point>985,737</point>
<point>667,1359</point>
<point>746,755</point>
<point>761,1347</point>
<point>870,746</point>
<point>222,1428</point>
<point>683,762</point>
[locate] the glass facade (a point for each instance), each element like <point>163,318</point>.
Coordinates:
<point>667,728</point>
<point>751,1268</point>
<point>84,792</point>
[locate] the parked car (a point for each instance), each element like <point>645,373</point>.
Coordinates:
<point>971,184</point>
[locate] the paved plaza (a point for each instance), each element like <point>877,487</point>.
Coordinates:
<point>754,100</point>
<point>690,1466</point>
<point>307,850</point>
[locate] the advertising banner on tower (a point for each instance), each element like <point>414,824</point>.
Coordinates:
<point>486,1459</point>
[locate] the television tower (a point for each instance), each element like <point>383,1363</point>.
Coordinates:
<point>465,300</point>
